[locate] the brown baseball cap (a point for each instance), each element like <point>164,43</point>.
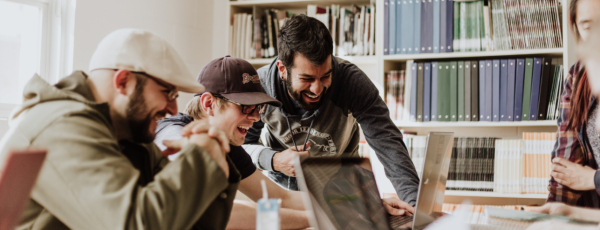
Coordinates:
<point>236,80</point>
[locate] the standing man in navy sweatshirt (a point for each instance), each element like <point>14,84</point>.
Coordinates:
<point>324,99</point>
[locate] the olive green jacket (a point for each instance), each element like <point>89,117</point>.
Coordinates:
<point>87,183</point>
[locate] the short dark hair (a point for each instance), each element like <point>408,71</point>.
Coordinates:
<point>304,35</point>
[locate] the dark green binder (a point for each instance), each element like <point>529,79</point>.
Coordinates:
<point>527,88</point>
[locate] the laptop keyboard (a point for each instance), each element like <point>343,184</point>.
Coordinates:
<point>397,221</point>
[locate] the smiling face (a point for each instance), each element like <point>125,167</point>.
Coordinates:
<point>228,117</point>
<point>147,105</point>
<point>306,82</point>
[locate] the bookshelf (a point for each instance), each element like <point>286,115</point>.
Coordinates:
<point>376,66</point>
<point>408,124</point>
<point>483,54</point>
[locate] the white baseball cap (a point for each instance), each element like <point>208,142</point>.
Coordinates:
<point>143,51</point>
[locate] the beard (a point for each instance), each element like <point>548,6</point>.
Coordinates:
<point>297,95</point>
<point>139,125</point>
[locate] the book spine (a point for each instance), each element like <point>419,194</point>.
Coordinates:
<point>413,93</point>
<point>482,89</point>
<point>417,26</point>
<point>392,27</point>
<point>527,88</point>
<point>503,90</point>
<point>474,90</point>
<point>535,88</point>
<point>496,90</point>
<point>442,26</point>
<point>461,91</point>
<point>545,88</point>
<point>444,93</point>
<point>427,92</point>
<point>510,99</point>
<point>468,89</point>
<point>449,26</point>
<point>390,91</point>
<point>436,26</point>
<point>519,81</point>
<point>456,27</point>
<point>488,90</point>
<point>408,25</point>
<point>420,90</point>
<point>434,91</point>
<point>399,22</point>
<point>386,26</point>
<point>453,91</point>
<point>427,26</point>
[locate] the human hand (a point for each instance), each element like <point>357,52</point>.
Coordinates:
<point>572,175</point>
<point>203,140</point>
<point>397,207</point>
<point>553,208</point>
<point>202,126</point>
<point>284,161</point>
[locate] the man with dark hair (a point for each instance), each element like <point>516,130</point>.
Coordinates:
<point>323,98</point>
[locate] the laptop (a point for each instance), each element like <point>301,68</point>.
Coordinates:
<point>340,193</point>
<point>17,178</point>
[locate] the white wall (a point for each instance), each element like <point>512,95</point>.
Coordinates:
<point>186,24</point>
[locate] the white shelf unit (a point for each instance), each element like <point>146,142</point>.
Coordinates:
<point>376,67</point>
<point>492,198</point>
<point>476,124</point>
<point>483,54</point>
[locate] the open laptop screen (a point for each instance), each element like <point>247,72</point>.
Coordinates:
<point>343,193</point>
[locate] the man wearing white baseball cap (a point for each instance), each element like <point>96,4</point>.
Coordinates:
<point>102,170</point>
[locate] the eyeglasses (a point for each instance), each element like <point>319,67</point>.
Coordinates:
<point>172,93</point>
<point>246,109</point>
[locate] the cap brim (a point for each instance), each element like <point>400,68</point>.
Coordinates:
<point>252,98</point>
<point>191,87</point>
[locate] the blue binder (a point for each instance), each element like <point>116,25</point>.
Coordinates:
<point>417,26</point>
<point>442,26</point>
<point>434,91</point>
<point>482,90</point>
<point>413,92</point>
<point>436,26</point>
<point>392,27</point>
<point>427,26</point>
<point>519,78</point>
<point>503,89</point>
<point>510,99</point>
<point>427,93</point>
<point>449,26</point>
<point>408,25</point>
<point>496,90</point>
<point>404,23</point>
<point>399,32</point>
<point>535,88</point>
<point>386,27</point>
<point>488,90</point>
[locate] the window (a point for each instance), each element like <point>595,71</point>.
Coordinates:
<point>36,37</point>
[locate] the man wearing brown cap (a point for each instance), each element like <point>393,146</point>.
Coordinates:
<point>102,170</point>
<point>233,100</point>
<point>324,99</point>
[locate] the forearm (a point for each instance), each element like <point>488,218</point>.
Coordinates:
<point>585,214</point>
<point>243,216</point>
<point>293,200</point>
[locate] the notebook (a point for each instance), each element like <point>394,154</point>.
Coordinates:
<point>17,178</point>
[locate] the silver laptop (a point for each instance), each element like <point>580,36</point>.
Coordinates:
<point>340,193</point>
